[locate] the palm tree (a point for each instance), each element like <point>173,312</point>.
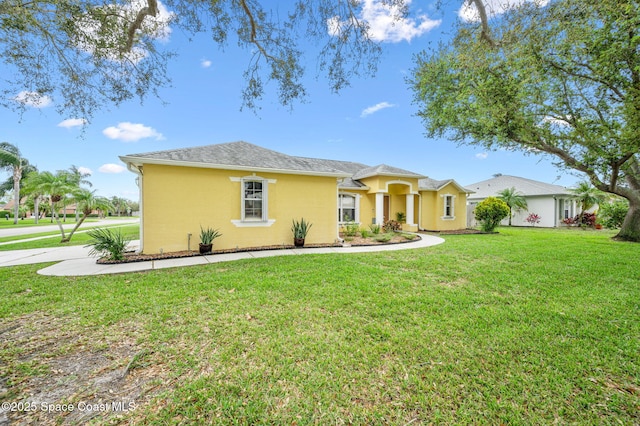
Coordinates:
<point>79,177</point>
<point>88,202</point>
<point>588,196</point>
<point>55,187</point>
<point>514,199</point>
<point>31,190</point>
<point>119,204</point>
<point>11,159</point>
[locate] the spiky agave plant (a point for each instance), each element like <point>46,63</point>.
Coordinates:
<point>108,243</point>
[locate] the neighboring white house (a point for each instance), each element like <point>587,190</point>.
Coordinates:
<point>553,203</point>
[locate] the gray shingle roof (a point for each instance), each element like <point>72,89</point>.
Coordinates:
<point>244,155</point>
<point>434,185</point>
<point>384,170</point>
<point>234,154</point>
<point>528,187</point>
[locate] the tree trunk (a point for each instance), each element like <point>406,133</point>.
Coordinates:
<point>17,174</point>
<point>55,216</point>
<point>630,230</point>
<point>68,238</point>
<point>36,205</point>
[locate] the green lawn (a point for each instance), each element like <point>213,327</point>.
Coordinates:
<point>52,239</point>
<point>529,326</point>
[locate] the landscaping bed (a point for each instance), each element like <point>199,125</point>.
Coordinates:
<point>396,238</point>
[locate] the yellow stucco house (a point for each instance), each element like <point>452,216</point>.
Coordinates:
<point>252,194</point>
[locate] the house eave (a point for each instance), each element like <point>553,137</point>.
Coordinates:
<point>140,161</point>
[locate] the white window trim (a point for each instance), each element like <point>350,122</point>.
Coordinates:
<point>357,207</point>
<point>265,221</point>
<point>453,207</point>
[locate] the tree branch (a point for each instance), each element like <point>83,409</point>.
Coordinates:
<point>254,32</point>
<point>485,33</point>
<point>150,10</point>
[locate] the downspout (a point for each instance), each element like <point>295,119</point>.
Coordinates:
<point>138,171</point>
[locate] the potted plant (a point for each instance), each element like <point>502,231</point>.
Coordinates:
<point>300,230</point>
<point>207,235</point>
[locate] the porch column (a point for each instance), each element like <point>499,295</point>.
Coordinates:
<point>379,208</point>
<point>409,210</point>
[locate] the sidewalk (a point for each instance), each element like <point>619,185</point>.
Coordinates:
<point>75,260</point>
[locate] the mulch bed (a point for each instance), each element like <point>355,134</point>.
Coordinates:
<point>353,242</point>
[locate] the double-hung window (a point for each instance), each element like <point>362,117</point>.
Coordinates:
<point>254,197</point>
<point>347,211</point>
<point>254,208</point>
<point>449,205</point>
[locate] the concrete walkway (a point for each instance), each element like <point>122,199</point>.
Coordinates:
<point>75,260</point>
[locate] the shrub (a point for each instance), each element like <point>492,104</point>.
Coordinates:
<point>108,243</point>
<point>375,228</point>
<point>409,237</point>
<point>364,233</point>
<point>586,219</point>
<point>392,226</point>
<point>383,238</point>
<point>351,229</point>
<point>490,212</point>
<point>612,214</point>
<point>533,219</point>
<point>400,217</point>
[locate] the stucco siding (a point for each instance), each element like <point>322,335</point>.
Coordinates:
<point>178,200</point>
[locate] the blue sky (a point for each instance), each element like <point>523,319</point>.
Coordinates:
<point>372,122</point>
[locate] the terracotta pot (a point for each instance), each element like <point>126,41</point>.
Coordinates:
<point>205,248</point>
<point>298,242</point>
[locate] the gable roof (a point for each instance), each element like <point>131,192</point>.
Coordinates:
<point>235,155</point>
<point>528,187</point>
<point>428,184</point>
<point>384,170</point>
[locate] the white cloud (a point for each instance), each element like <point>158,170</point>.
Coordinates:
<point>387,23</point>
<point>482,155</point>
<point>131,132</point>
<point>33,99</point>
<point>85,170</point>
<point>469,13</point>
<point>72,122</point>
<point>111,168</point>
<point>205,63</point>
<point>559,121</point>
<point>375,108</point>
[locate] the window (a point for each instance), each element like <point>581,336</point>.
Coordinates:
<point>254,209</point>
<point>449,212</point>
<point>253,200</point>
<point>347,208</point>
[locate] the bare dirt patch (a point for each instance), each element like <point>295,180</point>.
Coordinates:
<point>56,372</point>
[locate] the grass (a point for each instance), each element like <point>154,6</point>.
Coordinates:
<point>53,238</point>
<point>26,223</point>
<point>529,326</point>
